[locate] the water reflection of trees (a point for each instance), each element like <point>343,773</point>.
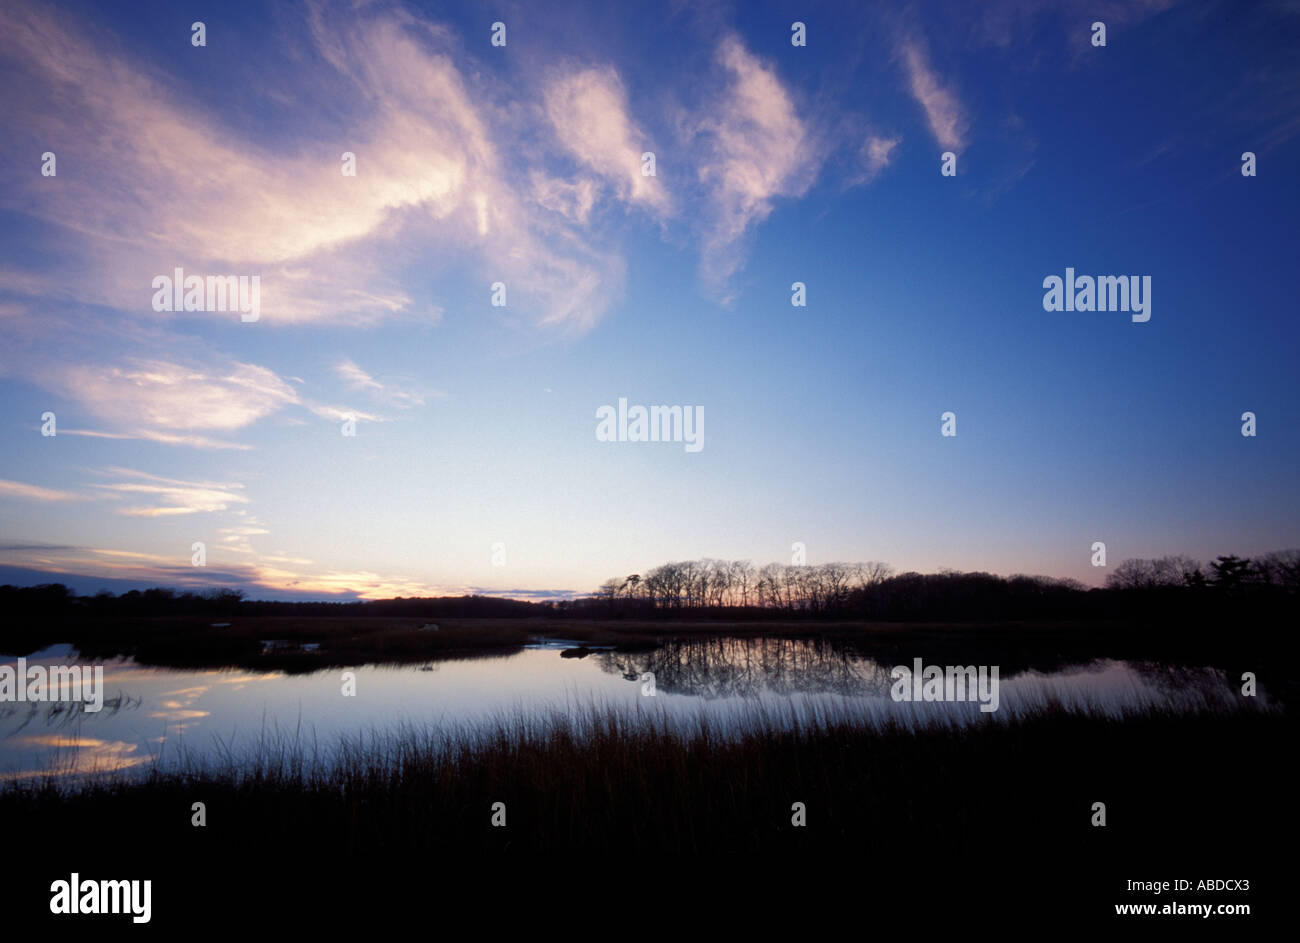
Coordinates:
<point>744,667</point>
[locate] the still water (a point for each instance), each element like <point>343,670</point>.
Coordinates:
<point>162,717</point>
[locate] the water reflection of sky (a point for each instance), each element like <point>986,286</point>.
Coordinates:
<point>156,715</point>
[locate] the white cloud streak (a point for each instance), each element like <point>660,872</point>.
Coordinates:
<point>943,111</point>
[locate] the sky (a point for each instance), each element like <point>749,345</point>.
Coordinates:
<point>383,425</point>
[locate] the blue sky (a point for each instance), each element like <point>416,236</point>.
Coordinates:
<point>475,424</point>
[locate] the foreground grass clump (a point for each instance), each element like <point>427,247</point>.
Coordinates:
<point>934,819</point>
<point>607,779</point>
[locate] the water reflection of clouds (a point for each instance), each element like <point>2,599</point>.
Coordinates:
<point>178,707</point>
<point>177,714</point>
<point>64,755</point>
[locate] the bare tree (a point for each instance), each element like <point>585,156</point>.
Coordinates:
<point>742,579</point>
<point>834,579</point>
<point>609,591</point>
<point>1280,568</point>
<point>1152,574</point>
<point>870,573</point>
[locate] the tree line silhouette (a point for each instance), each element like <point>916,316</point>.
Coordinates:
<point>737,589</point>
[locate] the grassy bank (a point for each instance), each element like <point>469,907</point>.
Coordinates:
<point>607,779</point>
<point>1004,807</point>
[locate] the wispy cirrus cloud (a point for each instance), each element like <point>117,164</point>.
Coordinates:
<point>168,496</point>
<point>154,569</point>
<point>943,111</point>
<point>588,110</point>
<point>433,172</point>
<point>355,377</point>
<point>344,413</point>
<point>182,402</point>
<point>874,156</point>
<point>237,537</point>
<point>29,492</point>
<point>756,148</point>
<point>397,393</point>
<point>445,166</point>
<point>166,400</point>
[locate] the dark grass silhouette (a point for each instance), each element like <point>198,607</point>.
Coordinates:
<point>1004,806</point>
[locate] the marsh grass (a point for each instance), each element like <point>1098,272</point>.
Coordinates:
<point>627,811</point>
<point>600,777</point>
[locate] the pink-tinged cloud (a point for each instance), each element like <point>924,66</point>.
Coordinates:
<point>257,574</point>
<point>943,112</point>
<point>168,496</point>
<point>164,182</point>
<point>395,393</point>
<point>756,148</point>
<point>588,111</point>
<point>166,396</point>
<point>77,756</point>
<point>19,489</point>
<point>874,156</point>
